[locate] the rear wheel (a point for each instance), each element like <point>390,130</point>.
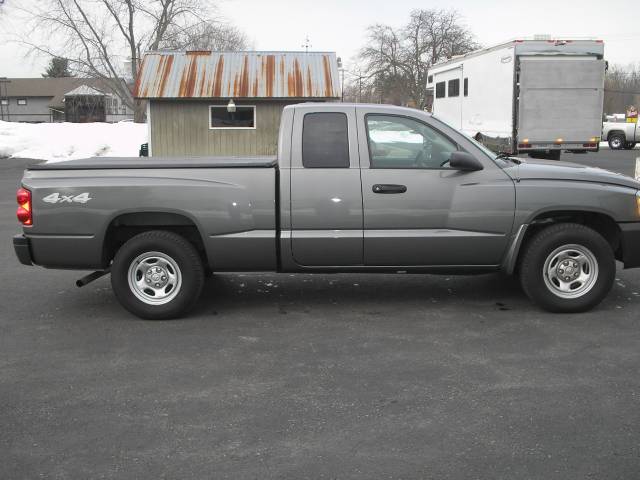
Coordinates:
<point>157,275</point>
<point>617,141</point>
<point>567,268</point>
<point>546,155</point>
<point>553,155</point>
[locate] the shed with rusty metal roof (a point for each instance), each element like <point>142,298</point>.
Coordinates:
<point>228,103</point>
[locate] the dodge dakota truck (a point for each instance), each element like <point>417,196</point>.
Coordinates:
<point>354,188</point>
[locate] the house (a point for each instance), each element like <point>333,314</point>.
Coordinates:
<point>38,100</point>
<point>228,103</point>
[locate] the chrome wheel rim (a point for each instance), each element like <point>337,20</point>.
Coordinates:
<point>616,142</point>
<point>154,278</point>
<point>570,271</point>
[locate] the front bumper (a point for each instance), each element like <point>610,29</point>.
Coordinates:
<point>630,243</point>
<point>22,246</point>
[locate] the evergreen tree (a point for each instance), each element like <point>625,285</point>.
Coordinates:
<point>58,67</point>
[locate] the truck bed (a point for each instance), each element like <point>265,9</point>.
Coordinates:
<point>231,201</point>
<point>117,163</point>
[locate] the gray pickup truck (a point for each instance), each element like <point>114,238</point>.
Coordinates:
<point>354,188</point>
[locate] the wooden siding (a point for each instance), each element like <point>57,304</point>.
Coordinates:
<point>181,127</point>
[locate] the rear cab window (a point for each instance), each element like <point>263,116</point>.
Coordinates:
<point>325,140</point>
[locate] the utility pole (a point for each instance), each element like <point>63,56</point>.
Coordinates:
<point>341,68</point>
<point>307,44</point>
<point>379,79</point>
<point>4,97</point>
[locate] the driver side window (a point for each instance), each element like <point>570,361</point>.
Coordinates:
<point>401,142</point>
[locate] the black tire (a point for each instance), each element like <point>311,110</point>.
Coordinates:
<point>617,141</point>
<point>548,241</point>
<point>553,155</point>
<point>190,274</point>
<point>630,145</point>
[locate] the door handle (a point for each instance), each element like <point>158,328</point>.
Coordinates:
<point>388,189</point>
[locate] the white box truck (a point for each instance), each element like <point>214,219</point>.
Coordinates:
<point>538,96</point>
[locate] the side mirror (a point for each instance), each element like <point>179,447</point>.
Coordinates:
<point>464,162</point>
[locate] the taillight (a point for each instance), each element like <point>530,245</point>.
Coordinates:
<point>24,213</point>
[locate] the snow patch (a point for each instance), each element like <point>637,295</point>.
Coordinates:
<point>56,142</point>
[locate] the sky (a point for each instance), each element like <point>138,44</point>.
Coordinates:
<point>340,25</point>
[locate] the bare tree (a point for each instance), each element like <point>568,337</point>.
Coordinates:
<point>100,37</point>
<point>397,61</point>
<point>621,88</point>
<point>216,36</point>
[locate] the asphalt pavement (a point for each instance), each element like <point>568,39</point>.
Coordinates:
<point>327,376</point>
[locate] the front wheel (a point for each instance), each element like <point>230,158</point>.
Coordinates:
<point>617,141</point>
<point>567,268</point>
<point>157,275</point>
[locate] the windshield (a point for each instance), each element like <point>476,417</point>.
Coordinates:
<point>490,153</point>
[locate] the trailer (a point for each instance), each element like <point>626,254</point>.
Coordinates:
<point>538,96</point>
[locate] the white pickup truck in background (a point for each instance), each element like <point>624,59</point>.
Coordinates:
<point>621,135</point>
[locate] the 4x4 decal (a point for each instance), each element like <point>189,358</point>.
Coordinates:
<point>57,198</point>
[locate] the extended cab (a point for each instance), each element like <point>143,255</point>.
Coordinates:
<point>354,188</point>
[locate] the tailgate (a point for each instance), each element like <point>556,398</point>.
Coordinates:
<point>560,97</point>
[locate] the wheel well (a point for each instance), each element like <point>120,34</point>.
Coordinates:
<point>601,223</point>
<point>616,132</point>
<point>126,226</point>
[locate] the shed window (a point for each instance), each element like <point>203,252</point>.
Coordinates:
<point>22,101</point>
<point>243,118</point>
<point>454,88</point>
<point>466,87</point>
<point>325,140</point>
<point>4,101</point>
<point>440,90</point>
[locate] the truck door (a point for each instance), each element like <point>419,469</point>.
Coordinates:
<point>326,193</point>
<point>420,212</point>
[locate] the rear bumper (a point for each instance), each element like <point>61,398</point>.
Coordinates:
<point>630,243</point>
<point>22,246</point>
<point>548,147</point>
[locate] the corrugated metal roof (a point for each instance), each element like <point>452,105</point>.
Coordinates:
<point>238,75</point>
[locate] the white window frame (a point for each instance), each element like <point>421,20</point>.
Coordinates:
<point>18,100</point>
<point>4,102</point>
<point>255,123</point>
